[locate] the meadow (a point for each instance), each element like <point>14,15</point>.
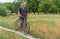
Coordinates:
<point>44,26</point>
<point>9,35</point>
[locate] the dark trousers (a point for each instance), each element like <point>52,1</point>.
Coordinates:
<point>23,22</point>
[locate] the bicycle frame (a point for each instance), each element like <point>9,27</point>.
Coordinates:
<point>25,27</point>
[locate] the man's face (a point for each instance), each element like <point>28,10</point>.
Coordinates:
<point>22,5</point>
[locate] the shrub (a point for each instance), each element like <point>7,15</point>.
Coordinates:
<point>44,7</point>
<point>53,9</point>
<point>8,12</point>
<point>9,6</point>
<point>13,7</point>
<point>3,11</point>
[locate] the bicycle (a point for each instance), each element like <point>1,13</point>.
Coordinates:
<point>25,29</point>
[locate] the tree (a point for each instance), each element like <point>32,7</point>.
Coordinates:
<point>33,5</point>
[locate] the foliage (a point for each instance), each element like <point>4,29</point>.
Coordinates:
<point>48,6</point>
<point>13,7</point>
<point>3,10</point>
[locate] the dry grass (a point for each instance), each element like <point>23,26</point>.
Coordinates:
<point>45,26</point>
<point>42,26</point>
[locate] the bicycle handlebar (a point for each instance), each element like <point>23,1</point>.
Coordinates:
<point>23,16</point>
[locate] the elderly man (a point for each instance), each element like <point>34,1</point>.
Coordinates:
<point>22,13</point>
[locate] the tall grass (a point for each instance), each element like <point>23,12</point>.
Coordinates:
<point>41,26</point>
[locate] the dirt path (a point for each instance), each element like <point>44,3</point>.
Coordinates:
<point>20,33</point>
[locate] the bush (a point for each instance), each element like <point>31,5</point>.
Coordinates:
<point>44,7</point>
<point>9,6</point>
<point>3,11</point>
<point>53,9</point>
<point>8,12</point>
<point>13,7</point>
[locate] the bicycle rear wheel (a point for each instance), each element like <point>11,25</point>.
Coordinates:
<point>17,25</point>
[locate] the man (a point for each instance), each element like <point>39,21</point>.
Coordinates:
<point>22,13</point>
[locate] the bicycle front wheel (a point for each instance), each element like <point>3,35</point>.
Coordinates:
<point>26,29</point>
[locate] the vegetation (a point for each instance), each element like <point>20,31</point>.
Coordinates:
<point>47,6</point>
<point>3,10</point>
<point>9,35</point>
<point>13,7</point>
<point>9,7</point>
<point>42,26</point>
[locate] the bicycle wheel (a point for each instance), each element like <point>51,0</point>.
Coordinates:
<point>26,29</point>
<point>17,24</point>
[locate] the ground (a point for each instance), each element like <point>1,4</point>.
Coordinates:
<point>9,35</point>
<point>44,26</point>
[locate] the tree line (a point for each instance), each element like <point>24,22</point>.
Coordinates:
<point>46,6</point>
<point>8,8</point>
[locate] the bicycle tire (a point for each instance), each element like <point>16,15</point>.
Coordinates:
<point>27,29</point>
<point>17,24</point>
<point>18,27</point>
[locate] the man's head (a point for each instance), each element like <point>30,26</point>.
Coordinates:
<point>22,5</point>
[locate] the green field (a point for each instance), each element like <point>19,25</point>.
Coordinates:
<point>42,26</point>
<point>9,35</point>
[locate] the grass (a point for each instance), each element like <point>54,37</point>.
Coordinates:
<point>42,26</point>
<point>8,21</point>
<point>9,35</point>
